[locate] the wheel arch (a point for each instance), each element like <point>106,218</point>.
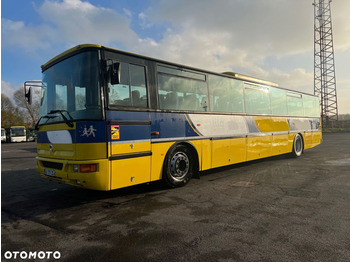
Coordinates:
<point>194,154</point>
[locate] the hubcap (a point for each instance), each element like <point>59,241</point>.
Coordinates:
<point>179,165</point>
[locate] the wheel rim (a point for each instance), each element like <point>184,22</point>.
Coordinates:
<point>298,146</point>
<point>179,166</point>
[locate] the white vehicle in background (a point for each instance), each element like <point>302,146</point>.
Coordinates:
<point>3,135</point>
<point>18,134</point>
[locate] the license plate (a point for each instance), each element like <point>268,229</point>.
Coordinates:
<point>49,172</point>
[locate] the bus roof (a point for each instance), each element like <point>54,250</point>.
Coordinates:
<point>229,74</point>
<point>251,79</point>
<point>67,52</point>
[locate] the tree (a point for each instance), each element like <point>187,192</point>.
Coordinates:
<point>30,112</point>
<point>10,115</point>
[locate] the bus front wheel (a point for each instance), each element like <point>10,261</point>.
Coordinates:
<point>298,146</point>
<point>178,167</point>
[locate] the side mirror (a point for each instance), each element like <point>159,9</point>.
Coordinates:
<point>28,89</point>
<point>28,95</point>
<point>115,73</point>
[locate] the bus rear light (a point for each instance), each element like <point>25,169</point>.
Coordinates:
<point>88,168</point>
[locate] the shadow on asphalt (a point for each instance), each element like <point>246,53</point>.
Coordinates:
<point>26,195</point>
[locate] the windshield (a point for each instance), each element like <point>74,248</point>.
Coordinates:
<point>18,132</point>
<point>71,89</point>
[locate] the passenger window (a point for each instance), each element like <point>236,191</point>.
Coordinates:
<point>311,105</point>
<point>132,90</point>
<point>177,92</point>
<point>295,104</point>
<point>226,94</point>
<point>138,86</point>
<point>278,101</point>
<point>257,99</point>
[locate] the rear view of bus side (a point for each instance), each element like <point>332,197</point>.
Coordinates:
<point>111,119</point>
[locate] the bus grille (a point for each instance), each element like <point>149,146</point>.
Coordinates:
<point>52,165</point>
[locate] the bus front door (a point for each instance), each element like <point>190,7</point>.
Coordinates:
<point>130,153</point>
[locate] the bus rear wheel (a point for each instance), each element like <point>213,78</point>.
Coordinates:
<point>178,167</point>
<point>298,146</point>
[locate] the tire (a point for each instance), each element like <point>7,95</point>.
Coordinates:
<point>298,146</point>
<point>178,166</point>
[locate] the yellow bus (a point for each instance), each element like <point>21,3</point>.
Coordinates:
<point>111,119</point>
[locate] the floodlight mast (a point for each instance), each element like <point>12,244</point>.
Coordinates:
<point>324,68</point>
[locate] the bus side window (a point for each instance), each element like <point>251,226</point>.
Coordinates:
<point>138,86</point>
<point>132,90</point>
<point>120,94</point>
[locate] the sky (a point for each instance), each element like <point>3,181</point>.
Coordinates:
<point>267,39</point>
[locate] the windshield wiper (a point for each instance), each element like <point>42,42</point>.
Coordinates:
<point>68,122</point>
<point>37,123</point>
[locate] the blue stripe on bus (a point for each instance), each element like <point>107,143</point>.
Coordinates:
<point>91,132</point>
<point>172,125</point>
<point>169,125</point>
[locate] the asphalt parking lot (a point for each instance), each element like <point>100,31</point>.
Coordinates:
<point>277,209</point>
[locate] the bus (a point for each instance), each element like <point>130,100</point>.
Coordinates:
<point>17,134</point>
<point>3,135</point>
<point>111,119</point>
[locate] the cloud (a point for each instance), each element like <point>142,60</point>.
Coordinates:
<point>17,34</point>
<point>229,35</point>
<point>76,21</point>
<point>8,89</point>
<point>341,24</point>
<point>260,28</point>
<point>278,27</point>
<point>69,23</point>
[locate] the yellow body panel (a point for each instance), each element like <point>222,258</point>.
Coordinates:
<point>206,157</point>
<point>221,152</point>
<point>91,151</point>
<point>129,148</point>
<point>239,150</point>
<point>59,151</point>
<point>316,138</point>
<point>96,180</point>
<point>228,151</point>
<point>271,124</point>
<point>130,171</point>
<point>280,144</point>
<point>259,147</point>
<point>198,146</point>
<point>291,140</point>
<point>59,126</point>
<point>307,137</point>
<point>73,151</point>
<point>159,151</point>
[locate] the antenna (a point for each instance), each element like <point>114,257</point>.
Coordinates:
<point>324,69</point>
